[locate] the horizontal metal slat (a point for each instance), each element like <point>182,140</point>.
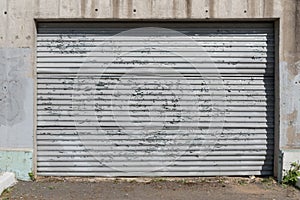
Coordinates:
<point>111,27</point>
<point>188,135</point>
<point>200,31</point>
<point>265,172</point>
<point>66,100</point>
<point>150,76</point>
<point>147,59</point>
<point>207,158</point>
<point>147,169</point>
<point>137,101</point>
<point>188,142</point>
<point>117,38</point>
<point>165,125</point>
<point>210,153</point>
<point>145,71</point>
<point>145,119</point>
<point>155,164</point>
<point>81,114</point>
<point>152,81</point>
<point>125,100</point>
<point>160,85</point>
<point>154,92</point>
<point>199,153</point>
<point>152,40</point>
<point>142,54</point>
<point>112,116</point>
<point>209,108</point>
<point>209,49</point>
<point>97,131</point>
<point>212,110</point>
<point>53,128</point>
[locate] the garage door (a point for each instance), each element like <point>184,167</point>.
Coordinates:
<point>129,99</point>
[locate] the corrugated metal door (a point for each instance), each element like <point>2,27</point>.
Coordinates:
<point>189,99</point>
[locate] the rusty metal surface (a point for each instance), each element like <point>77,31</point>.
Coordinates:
<point>183,101</point>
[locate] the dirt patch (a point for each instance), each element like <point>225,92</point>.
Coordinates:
<point>157,188</point>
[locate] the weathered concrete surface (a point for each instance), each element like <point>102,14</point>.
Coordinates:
<point>16,106</point>
<point>17,161</point>
<point>18,31</point>
<point>289,80</point>
<point>289,73</point>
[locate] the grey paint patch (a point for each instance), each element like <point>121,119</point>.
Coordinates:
<point>16,98</point>
<point>12,83</point>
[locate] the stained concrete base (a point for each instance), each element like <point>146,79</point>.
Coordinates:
<point>7,180</point>
<point>288,157</point>
<point>17,161</point>
<point>298,182</point>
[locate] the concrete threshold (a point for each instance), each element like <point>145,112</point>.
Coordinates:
<point>7,179</point>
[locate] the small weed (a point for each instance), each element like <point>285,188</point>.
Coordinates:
<point>221,180</point>
<point>203,180</point>
<point>242,182</point>
<point>31,175</point>
<point>183,181</point>
<point>291,175</point>
<point>7,190</point>
<point>132,181</point>
<point>155,180</point>
<point>268,181</point>
<point>116,181</point>
<point>5,193</point>
<point>51,187</point>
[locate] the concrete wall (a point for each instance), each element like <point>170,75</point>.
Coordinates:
<point>17,43</point>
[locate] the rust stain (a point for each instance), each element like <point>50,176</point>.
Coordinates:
<point>211,8</point>
<point>268,8</point>
<point>151,8</point>
<point>290,33</point>
<point>92,7</point>
<point>293,70</point>
<point>38,6</point>
<point>116,6</point>
<point>251,7</point>
<point>82,7</point>
<point>189,8</point>
<point>59,7</point>
<point>130,8</point>
<point>293,138</point>
<point>175,7</point>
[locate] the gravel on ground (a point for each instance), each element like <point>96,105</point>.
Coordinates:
<point>216,188</point>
